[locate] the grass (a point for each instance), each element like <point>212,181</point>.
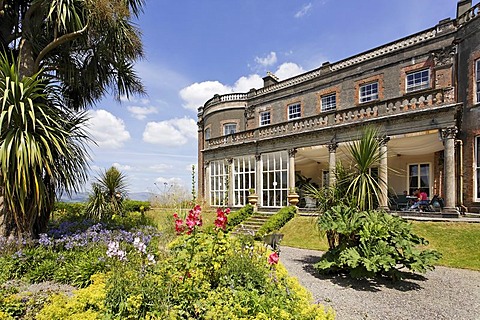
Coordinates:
<point>458,242</point>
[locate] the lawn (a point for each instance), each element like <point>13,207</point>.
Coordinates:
<point>458,242</point>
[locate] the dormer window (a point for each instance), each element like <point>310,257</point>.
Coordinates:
<point>418,80</point>
<point>294,111</point>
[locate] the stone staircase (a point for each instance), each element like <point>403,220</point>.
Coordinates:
<point>252,224</point>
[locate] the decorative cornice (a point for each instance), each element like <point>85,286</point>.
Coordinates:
<point>449,133</point>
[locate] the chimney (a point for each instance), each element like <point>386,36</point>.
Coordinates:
<point>463,6</point>
<point>270,79</point>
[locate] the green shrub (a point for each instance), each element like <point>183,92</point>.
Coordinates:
<point>371,243</point>
<point>136,206</point>
<point>68,210</point>
<point>237,217</point>
<point>276,221</point>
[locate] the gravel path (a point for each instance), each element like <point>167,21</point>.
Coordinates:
<point>445,293</point>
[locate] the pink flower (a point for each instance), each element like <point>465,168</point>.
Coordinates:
<point>179,227</point>
<point>222,220</point>
<point>273,258</point>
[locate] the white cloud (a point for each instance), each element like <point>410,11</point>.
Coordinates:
<point>303,11</point>
<point>122,167</point>
<point>195,95</point>
<point>244,84</point>
<point>171,133</point>
<point>288,70</point>
<point>269,60</point>
<point>141,113</point>
<point>107,130</point>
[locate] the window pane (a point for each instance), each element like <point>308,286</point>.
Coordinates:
<point>418,80</point>
<point>369,92</point>
<point>294,111</point>
<point>329,102</point>
<point>264,118</point>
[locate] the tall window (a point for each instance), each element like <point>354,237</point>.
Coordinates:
<point>207,133</point>
<point>477,79</point>
<point>419,177</point>
<point>218,183</point>
<point>274,179</point>
<point>369,92</point>
<point>477,168</point>
<point>329,102</point>
<point>265,118</point>
<point>418,80</point>
<point>294,111</point>
<point>243,179</point>
<point>229,128</point>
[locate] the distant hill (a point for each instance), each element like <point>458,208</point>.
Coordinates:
<point>83,196</point>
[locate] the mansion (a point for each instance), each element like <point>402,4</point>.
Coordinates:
<point>421,92</point>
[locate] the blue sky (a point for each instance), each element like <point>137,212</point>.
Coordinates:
<point>194,49</point>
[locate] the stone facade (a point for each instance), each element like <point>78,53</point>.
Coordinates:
<point>419,91</point>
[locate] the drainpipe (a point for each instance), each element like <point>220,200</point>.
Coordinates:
<point>460,182</point>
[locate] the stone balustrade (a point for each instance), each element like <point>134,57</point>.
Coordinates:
<point>403,105</point>
<point>472,13</point>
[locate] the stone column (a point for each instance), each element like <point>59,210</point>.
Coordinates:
<point>258,178</point>
<point>332,162</point>
<point>231,182</point>
<point>448,136</point>
<point>383,173</point>
<point>291,169</point>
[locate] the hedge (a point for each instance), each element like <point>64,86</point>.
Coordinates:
<point>276,221</point>
<point>237,217</point>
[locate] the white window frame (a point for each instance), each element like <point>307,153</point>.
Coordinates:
<point>417,80</point>
<point>229,128</point>
<point>274,179</point>
<point>218,183</point>
<point>329,102</point>
<point>477,80</point>
<point>294,111</point>
<point>265,118</point>
<point>476,168</point>
<point>244,179</point>
<point>419,164</point>
<point>368,92</point>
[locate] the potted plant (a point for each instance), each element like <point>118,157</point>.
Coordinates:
<point>252,197</point>
<point>293,197</point>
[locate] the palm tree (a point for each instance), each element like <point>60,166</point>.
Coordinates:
<point>108,193</point>
<point>78,50</point>
<point>363,187</point>
<point>42,150</point>
<point>88,47</point>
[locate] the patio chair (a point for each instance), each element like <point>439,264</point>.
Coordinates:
<point>402,202</point>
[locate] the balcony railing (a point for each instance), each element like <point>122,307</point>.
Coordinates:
<point>402,105</point>
<point>472,13</point>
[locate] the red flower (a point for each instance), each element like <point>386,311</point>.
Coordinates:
<point>179,227</point>
<point>222,220</point>
<point>273,258</point>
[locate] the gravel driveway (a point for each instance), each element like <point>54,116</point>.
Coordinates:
<point>445,293</point>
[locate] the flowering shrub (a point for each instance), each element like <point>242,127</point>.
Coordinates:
<point>202,274</point>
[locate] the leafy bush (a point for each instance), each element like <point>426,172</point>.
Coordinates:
<point>237,217</point>
<point>371,243</point>
<point>68,210</point>
<point>136,206</point>
<point>277,221</point>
